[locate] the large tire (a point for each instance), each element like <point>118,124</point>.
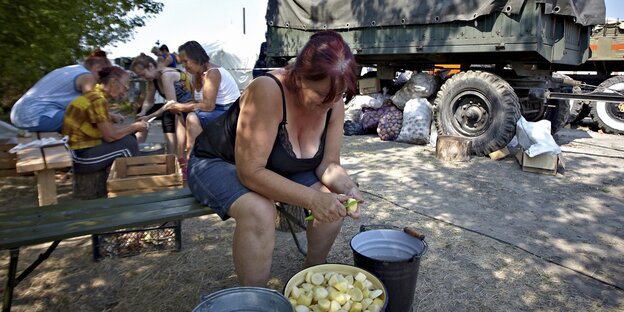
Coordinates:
<point>480,106</point>
<point>558,113</point>
<point>579,110</point>
<point>610,115</point>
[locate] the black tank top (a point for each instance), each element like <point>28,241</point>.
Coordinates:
<point>219,136</point>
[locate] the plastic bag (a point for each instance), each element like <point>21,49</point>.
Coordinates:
<point>420,85</point>
<point>416,122</point>
<point>374,100</point>
<point>535,137</point>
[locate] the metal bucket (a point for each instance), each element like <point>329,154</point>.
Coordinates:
<point>248,299</point>
<point>394,257</point>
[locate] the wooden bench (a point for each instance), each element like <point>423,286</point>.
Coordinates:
<point>36,225</point>
<point>43,162</point>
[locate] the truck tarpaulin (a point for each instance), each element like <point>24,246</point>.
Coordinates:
<point>317,15</point>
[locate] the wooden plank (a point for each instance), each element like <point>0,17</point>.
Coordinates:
<point>147,170</point>
<point>8,163</point>
<point>68,225</point>
<point>122,165</point>
<point>55,135</point>
<point>142,191</point>
<point>153,159</point>
<point>130,183</point>
<point>6,145</point>
<point>46,187</point>
<point>30,159</point>
<point>93,206</point>
<point>114,171</point>
<point>57,157</point>
<point>6,154</point>
<point>61,213</point>
<point>8,172</point>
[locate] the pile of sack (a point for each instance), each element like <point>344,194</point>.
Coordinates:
<point>405,116</point>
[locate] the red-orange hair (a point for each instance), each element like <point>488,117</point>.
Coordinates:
<point>326,54</point>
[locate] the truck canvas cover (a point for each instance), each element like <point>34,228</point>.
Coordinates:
<point>330,14</point>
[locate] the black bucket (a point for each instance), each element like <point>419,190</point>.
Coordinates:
<point>394,257</point>
<point>248,299</point>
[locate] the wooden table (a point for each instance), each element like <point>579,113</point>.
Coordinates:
<point>43,162</point>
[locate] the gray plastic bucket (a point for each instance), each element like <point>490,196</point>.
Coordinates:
<point>394,257</point>
<point>247,299</point>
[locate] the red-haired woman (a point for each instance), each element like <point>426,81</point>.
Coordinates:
<point>281,142</point>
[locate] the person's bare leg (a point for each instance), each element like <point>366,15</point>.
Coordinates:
<point>193,129</point>
<point>180,134</point>
<point>254,238</point>
<point>141,136</point>
<point>170,141</point>
<point>321,237</point>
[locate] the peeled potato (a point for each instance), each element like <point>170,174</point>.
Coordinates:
<point>334,292</point>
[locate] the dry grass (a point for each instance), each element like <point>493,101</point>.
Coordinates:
<point>462,271</point>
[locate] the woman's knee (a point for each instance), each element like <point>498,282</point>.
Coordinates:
<point>254,211</point>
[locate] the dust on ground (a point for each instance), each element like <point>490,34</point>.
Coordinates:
<point>499,239</point>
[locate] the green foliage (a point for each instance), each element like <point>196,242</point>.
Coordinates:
<point>37,36</point>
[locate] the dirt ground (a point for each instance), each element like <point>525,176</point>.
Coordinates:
<point>500,239</point>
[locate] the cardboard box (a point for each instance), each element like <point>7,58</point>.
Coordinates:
<point>135,175</point>
<point>369,85</point>
<point>544,163</point>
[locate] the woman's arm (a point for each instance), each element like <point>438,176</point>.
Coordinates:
<point>330,171</point>
<point>85,82</point>
<point>212,80</point>
<point>260,116</point>
<point>150,92</point>
<point>210,88</point>
<point>167,79</point>
<point>111,133</point>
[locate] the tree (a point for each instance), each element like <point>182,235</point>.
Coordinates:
<point>37,36</point>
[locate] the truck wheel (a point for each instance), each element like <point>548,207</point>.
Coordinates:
<point>480,106</point>
<point>558,112</point>
<point>579,110</point>
<point>610,115</point>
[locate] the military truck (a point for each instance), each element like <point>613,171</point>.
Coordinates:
<point>607,57</point>
<point>508,50</point>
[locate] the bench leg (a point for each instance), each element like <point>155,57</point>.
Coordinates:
<point>10,282</point>
<point>46,186</point>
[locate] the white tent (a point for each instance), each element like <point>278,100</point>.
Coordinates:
<point>236,55</point>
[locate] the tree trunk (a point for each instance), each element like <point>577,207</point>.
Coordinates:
<point>90,185</point>
<point>452,148</point>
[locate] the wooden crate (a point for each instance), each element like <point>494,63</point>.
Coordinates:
<point>136,175</point>
<point>7,160</point>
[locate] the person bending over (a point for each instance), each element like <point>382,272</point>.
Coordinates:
<point>43,106</point>
<point>172,84</point>
<point>95,142</point>
<point>281,142</point>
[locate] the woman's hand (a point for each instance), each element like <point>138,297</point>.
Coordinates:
<point>329,207</point>
<point>140,125</point>
<point>355,193</point>
<point>116,118</point>
<point>171,106</point>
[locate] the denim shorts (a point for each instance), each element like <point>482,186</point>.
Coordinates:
<point>214,183</point>
<point>205,117</point>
